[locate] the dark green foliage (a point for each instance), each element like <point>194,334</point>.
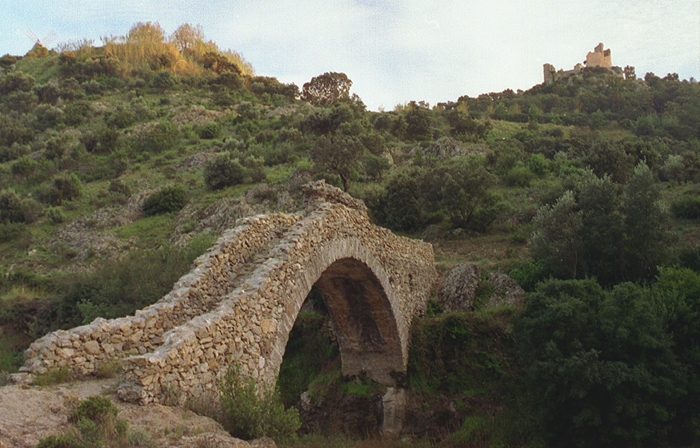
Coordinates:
<point>166,200</point>
<point>223,171</point>
<point>93,408</point>
<point>339,155</point>
<point>163,80</point>
<point>47,93</point>
<point>309,351</point>
<point>120,117</point>
<point>229,79</point>
<point>66,187</point>
<point>250,414</point>
<point>328,88</point>
<point>13,131</point>
<point>57,147</point>
<point>95,418</point>
<point>327,120</point>
<point>227,170</point>
<point>645,225</point>
<point>119,287</point>
<point>210,130</point>
<point>464,127</point>
<point>265,84</point>
<point>16,82</point>
<point>14,209</point>
<point>419,122</point>
<point>24,167</point>
<point>458,188</point>
<point>686,207</point>
<point>158,137</point>
<point>119,187</point>
<point>599,231</point>
<point>60,441</point>
<point>601,368</point>
<point>48,116</point>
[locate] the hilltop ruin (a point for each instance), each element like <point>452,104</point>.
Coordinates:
<point>599,57</point>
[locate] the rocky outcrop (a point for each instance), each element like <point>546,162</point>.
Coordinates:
<point>506,291</point>
<point>458,290</point>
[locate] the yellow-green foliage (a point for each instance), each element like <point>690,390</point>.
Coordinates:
<point>146,46</point>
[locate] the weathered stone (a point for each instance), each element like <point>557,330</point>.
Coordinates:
<point>239,303</point>
<point>92,347</point>
<point>458,290</point>
<point>506,292</point>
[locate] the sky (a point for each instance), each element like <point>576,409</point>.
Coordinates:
<point>394,51</point>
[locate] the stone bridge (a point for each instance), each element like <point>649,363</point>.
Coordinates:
<point>240,301</point>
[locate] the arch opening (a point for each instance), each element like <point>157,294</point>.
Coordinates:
<point>364,322</point>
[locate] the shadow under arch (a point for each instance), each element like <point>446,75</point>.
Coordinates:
<point>363,306</point>
<point>364,322</point>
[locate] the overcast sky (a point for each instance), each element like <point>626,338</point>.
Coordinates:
<point>395,51</point>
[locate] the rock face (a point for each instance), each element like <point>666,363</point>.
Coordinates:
<point>458,290</point>
<point>238,305</point>
<point>506,292</point>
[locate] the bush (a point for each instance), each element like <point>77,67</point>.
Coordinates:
<point>55,215</point>
<point>14,209</point>
<point>167,200</point>
<point>210,131</point>
<point>163,80</point>
<point>227,170</point>
<point>66,187</point>
<point>158,138</point>
<point>96,420</point>
<point>251,415</point>
<point>687,207</point>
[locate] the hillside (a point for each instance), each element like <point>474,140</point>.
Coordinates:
<point>120,164</point>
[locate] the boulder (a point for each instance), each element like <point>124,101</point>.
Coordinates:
<point>458,290</point>
<point>506,292</point>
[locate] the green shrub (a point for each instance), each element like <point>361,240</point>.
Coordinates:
<point>223,171</point>
<point>158,138</point>
<point>55,215</point>
<point>93,408</point>
<point>210,131</point>
<point>95,418</point>
<point>119,187</point>
<point>24,167</point>
<point>167,200</point>
<point>163,80</point>
<point>519,176</point>
<point>54,376</point>
<point>250,414</point>
<point>14,209</point>
<point>66,187</point>
<point>67,440</point>
<point>687,207</point>
<point>11,231</point>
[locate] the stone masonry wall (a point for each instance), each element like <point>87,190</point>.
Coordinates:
<point>249,307</point>
<point>84,349</point>
<point>251,327</point>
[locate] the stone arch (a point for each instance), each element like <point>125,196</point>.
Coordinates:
<point>363,307</point>
<point>241,299</point>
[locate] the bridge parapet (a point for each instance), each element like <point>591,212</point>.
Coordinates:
<point>86,348</point>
